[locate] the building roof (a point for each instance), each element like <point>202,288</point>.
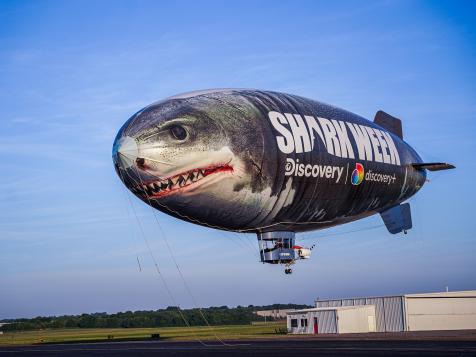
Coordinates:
<point>303,311</point>
<point>464,293</point>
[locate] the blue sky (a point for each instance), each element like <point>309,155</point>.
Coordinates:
<point>71,72</point>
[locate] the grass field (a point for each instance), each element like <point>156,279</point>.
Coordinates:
<point>121,334</point>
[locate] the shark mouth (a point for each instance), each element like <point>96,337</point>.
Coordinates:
<point>166,186</point>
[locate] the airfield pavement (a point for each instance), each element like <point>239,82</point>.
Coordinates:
<point>439,343</point>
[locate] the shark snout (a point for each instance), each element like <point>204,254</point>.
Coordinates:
<point>125,152</point>
<point>143,162</point>
<point>131,167</point>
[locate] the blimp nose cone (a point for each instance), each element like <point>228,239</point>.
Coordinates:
<point>125,151</point>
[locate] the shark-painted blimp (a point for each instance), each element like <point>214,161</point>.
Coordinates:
<point>270,163</point>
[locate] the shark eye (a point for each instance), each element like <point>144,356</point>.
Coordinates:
<point>178,132</point>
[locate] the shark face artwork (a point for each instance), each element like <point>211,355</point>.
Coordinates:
<point>270,163</point>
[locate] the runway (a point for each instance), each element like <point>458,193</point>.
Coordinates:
<point>332,346</point>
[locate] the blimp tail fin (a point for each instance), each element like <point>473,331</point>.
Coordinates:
<point>386,121</point>
<point>433,166</point>
<point>398,218</point>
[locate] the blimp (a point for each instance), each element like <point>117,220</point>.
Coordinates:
<point>274,164</point>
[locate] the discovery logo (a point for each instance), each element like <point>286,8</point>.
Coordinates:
<point>294,168</point>
<point>357,175</point>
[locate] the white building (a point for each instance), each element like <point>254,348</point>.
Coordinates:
<point>275,314</point>
<point>2,324</point>
<point>414,312</point>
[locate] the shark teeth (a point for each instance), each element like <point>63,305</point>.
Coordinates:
<point>162,187</point>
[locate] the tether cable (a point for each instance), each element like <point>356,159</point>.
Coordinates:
<point>172,255</point>
<point>151,253</point>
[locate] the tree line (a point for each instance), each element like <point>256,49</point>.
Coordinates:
<point>169,317</point>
